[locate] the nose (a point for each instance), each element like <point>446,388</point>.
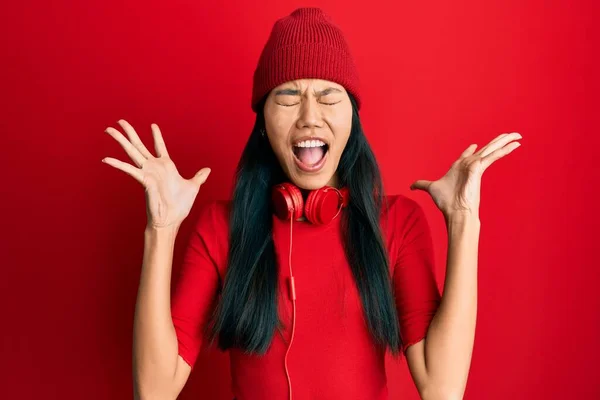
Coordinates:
<point>310,114</point>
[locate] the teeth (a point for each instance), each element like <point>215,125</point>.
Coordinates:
<point>310,143</point>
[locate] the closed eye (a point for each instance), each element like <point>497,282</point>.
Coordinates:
<point>291,105</point>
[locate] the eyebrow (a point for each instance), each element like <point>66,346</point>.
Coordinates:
<point>296,92</point>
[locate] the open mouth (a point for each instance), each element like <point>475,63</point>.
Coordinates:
<point>310,154</point>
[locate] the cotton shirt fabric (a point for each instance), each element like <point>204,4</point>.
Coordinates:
<point>333,355</point>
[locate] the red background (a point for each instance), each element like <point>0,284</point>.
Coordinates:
<point>436,77</point>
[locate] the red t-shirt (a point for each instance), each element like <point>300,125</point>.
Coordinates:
<point>332,354</point>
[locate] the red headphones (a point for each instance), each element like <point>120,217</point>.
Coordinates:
<point>322,205</point>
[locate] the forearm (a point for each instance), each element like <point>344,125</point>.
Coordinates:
<point>154,339</point>
<point>449,343</point>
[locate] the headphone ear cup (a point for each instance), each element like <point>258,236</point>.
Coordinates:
<point>323,205</point>
<point>309,207</point>
<point>287,201</point>
<point>345,192</point>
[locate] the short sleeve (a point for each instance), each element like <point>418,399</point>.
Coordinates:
<point>416,292</point>
<point>195,291</point>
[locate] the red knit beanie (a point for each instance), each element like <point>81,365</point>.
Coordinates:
<point>305,44</point>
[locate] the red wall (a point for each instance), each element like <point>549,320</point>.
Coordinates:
<point>436,77</point>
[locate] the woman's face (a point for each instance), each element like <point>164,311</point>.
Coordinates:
<point>308,123</point>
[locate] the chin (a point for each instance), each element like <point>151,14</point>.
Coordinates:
<point>311,182</point>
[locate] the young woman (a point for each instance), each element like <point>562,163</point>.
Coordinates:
<point>311,272</point>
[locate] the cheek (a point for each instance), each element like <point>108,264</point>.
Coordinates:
<point>279,145</point>
<point>277,136</point>
<point>341,126</point>
<point>340,144</point>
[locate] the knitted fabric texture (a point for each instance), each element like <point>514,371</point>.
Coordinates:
<point>305,44</point>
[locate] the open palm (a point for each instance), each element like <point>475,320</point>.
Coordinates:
<point>458,191</point>
<point>169,197</point>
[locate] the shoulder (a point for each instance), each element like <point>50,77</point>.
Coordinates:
<point>400,209</point>
<point>211,229</point>
<point>399,202</point>
<point>213,215</point>
<point>402,218</point>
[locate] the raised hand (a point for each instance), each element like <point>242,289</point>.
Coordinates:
<point>169,197</point>
<point>459,190</point>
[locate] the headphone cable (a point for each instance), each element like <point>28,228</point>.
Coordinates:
<point>293,296</point>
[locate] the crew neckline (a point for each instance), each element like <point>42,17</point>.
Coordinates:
<point>306,226</point>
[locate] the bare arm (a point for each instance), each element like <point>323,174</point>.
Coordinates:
<point>158,371</point>
<point>440,363</point>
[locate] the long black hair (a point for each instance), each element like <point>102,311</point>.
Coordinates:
<point>246,315</point>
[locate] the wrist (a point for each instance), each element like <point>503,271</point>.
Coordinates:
<point>163,231</point>
<point>462,218</point>
<point>463,229</point>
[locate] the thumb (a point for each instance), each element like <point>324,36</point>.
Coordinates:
<point>201,176</point>
<point>420,185</point>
